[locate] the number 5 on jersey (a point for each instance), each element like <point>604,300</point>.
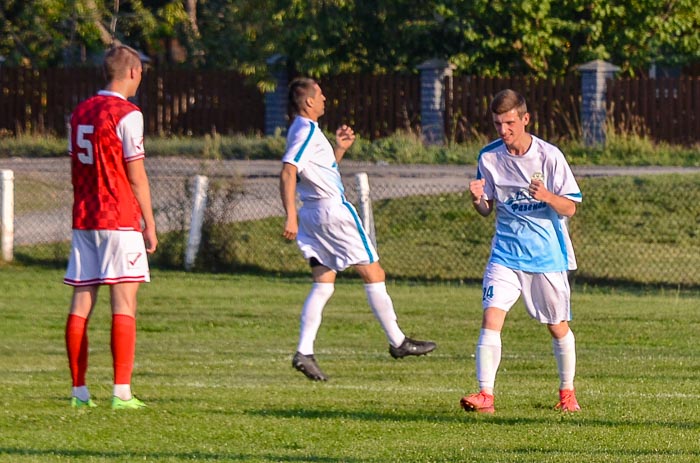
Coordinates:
<point>85,153</point>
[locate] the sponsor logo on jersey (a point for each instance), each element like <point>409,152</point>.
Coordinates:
<point>523,202</point>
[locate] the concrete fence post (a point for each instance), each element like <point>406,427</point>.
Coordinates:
<point>276,101</point>
<point>594,75</point>
<point>365,205</point>
<point>7,214</point>
<point>433,98</point>
<point>200,186</point>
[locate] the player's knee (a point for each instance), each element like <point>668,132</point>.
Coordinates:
<point>372,273</point>
<point>324,289</point>
<point>559,330</point>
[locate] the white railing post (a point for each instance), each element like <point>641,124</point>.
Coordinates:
<point>365,205</point>
<point>7,214</point>
<point>199,204</point>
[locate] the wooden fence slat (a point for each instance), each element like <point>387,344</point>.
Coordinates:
<point>695,98</point>
<point>196,102</point>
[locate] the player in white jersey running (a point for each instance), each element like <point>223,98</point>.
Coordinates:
<point>531,187</point>
<point>327,227</point>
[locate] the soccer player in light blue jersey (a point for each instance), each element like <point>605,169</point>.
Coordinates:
<point>529,184</point>
<point>327,227</point>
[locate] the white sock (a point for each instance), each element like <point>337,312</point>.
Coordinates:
<point>123,391</point>
<point>383,309</point>
<point>488,357</point>
<point>312,314</point>
<point>565,353</point>
<point>82,393</point>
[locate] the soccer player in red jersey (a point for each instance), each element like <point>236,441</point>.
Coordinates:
<point>111,201</point>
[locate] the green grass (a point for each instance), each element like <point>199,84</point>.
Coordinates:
<point>213,364</point>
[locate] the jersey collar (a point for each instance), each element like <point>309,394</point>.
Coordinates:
<point>110,93</point>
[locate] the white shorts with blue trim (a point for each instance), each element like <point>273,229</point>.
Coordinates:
<point>331,232</point>
<point>107,257</point>
<point>547,296</point>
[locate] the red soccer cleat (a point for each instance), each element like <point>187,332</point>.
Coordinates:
<point>567,401</point>
<point>480,403</point>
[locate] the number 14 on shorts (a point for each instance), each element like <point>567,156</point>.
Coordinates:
<point>487,292</point>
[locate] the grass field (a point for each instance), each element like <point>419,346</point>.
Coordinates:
<point>213,364</point>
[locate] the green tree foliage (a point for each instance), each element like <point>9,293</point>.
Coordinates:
<point>43,33</point>
<point>321,37</point>
<point>499,37</point>
<point>36,32</point>
<point>635,33</point>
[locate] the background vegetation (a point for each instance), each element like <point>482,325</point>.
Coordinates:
<point>400,148</point>
<point>321,37</point>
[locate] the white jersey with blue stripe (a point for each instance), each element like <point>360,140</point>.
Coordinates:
<point>330,230</point>
<point>317,170</point>
<point>530,236</point>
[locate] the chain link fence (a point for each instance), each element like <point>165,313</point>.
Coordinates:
<point>638,226</point>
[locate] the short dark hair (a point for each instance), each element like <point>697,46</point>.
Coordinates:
<point>507,100</point>
<point>119,60</point>
<point>299,90</point>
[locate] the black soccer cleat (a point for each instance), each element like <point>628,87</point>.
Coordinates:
<point>412,347</point>
<point>307,365</point>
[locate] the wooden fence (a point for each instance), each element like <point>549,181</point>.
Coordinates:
<point>375,106</point>
<point>186,102</point>
<point>554,105</point>
<point>666,109</point>
<point>174,102</point>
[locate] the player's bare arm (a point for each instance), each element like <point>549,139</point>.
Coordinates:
<point>288,182</point>
<point>344,138</point>
<point>136,170</point>
<point>561,205</point>
<point>482,206</point>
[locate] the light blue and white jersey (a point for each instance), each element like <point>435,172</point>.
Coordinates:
<point>530,236</point>
<point>317,170</point>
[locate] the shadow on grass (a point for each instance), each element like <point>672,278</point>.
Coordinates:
<point>622,284</point>
<point>158,456</point>
<point>566,455</point>
<point>578,419</point>
<point>51,263</point>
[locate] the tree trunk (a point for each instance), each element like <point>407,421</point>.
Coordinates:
<point>191,8</point>
<point>105,35</point>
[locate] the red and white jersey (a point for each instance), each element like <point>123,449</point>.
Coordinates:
<point>106,132</point>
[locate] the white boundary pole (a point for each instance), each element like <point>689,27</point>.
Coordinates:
<point>7,214</point>
<point>199,203</point>
<point>365,205</point>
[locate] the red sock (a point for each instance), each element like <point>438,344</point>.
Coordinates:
<point>77,348</point>
<point>123,347</point>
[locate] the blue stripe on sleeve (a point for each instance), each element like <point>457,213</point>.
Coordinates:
<point>306,142</point>
<point>490,147</point>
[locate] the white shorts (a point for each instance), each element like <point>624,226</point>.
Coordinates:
<point>547,296</point>
<point>332,233</point>
<point>107,257</point>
